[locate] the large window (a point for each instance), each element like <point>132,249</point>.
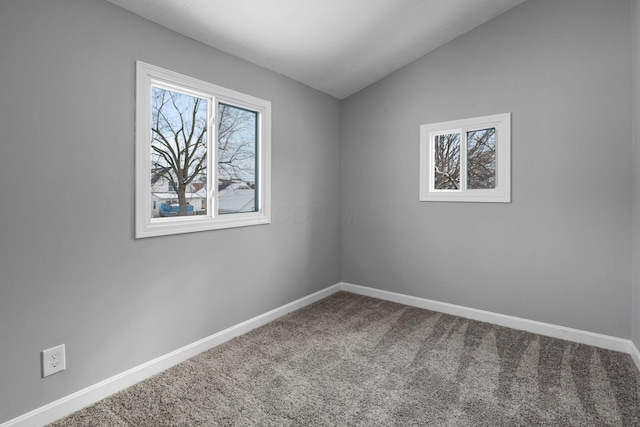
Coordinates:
<point>202,155</point>
<point>466,160</point>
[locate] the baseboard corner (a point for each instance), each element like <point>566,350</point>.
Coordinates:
<point>534,326</point>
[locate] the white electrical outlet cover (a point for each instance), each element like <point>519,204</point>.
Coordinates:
<point>53,360</point>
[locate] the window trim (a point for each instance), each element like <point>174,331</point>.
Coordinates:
<point>148,75</point>
<point>502,191</point>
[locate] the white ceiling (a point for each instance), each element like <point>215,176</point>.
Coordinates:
<point>336,46</point>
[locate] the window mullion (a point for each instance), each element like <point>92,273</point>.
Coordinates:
<point>463,160</point>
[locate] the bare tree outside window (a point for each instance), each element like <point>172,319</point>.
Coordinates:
<point>178,141</point>
<point>447,161</point>
<point>481,159</point>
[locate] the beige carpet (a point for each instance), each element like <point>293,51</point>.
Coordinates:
<point>354,360</point>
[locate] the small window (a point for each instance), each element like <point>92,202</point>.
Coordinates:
<point>466,160</point>
<point>202,155</point>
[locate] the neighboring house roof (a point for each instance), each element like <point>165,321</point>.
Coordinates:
<point>198,185</point>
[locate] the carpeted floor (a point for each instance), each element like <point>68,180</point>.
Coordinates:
<point>353,360</point>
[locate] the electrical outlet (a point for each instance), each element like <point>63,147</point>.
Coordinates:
<point>53,360</point>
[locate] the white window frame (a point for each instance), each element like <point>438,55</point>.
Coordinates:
<point>148,75</point>
<point>502,191</point>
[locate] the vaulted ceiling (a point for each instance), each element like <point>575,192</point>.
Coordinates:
<point>335,46</point>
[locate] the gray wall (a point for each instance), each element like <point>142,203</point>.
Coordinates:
<point>71,271</point>
<point>561,251</point>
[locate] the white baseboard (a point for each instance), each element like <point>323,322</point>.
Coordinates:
<point>547,329</point>
<point>92,394</point>
<point>69,404</point>
<point>635,354</point>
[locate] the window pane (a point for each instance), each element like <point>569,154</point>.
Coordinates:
<point>481,159</point>
<point>447,162</point>
<point>237,172</point>
<point>178,153</point>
